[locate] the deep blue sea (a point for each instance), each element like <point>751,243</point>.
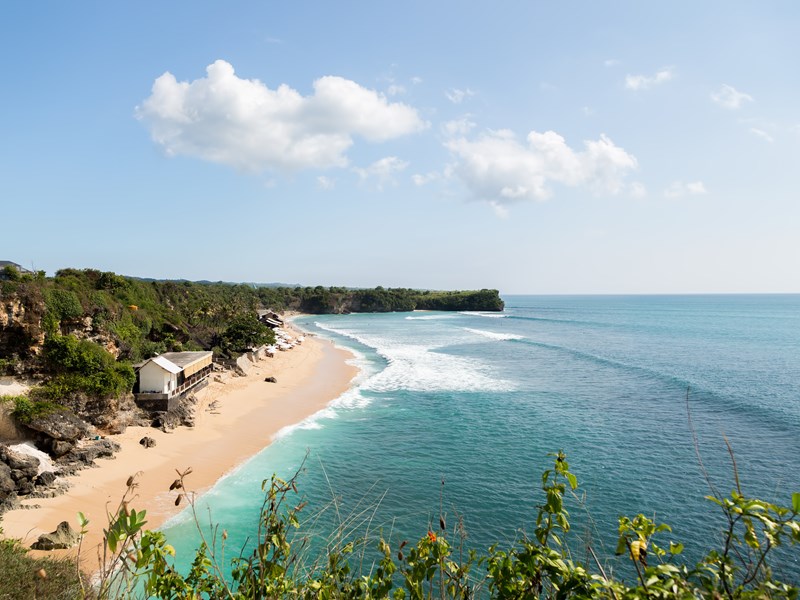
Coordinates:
<point>478,400</point>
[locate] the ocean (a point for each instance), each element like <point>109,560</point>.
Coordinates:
<point>457,412</point>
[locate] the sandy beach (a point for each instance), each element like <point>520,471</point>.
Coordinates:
<point>235,419</point>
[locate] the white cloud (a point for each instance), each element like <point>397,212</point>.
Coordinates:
<point>325,183</point>
<point>383,171</point>
<point>456,127</point>
<point>762,134</point>
<point>643,82</point>
<point>395,90</point>
<point>245,124</point>
<point>457,96</point>
<point>587,111</point>
<point>729,97</point>
<point>416,80</point>
<point>678,189</point>
<point>499,169</point>
<point>611,62</point>
<point>499,209</point>
<point>419,179</point>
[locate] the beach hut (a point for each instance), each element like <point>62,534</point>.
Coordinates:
<point>163,379</point>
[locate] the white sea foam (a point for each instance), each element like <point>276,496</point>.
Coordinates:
<point>419,367</point>
<point>494,335</point>
<point>349,400</point>
<point>492,315</point>
<point>430,318</point>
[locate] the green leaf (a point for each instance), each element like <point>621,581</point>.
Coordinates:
<point>573,481</point>
<point>675,548</point>
<point>796,502</point>
<point>622,546</point>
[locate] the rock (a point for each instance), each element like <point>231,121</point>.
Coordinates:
<point>45,479</point>
<point>147,442</point>
<point>22,469</point>
<point>60,425</point>
<point>7,485</point>
<point>22,462</point>
<point>62,538</point>
<point>60,448</point>
<point>183,414</point>
<point>86,454</point>
<point>270,380</point>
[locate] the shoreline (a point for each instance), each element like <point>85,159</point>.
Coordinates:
<point>235,419</point>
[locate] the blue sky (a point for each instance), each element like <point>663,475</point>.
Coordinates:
<point>533,147</point>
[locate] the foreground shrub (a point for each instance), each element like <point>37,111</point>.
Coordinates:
<point>540,566</point>
<point>23,577</point>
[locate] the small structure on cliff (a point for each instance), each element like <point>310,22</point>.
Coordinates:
<point>163,379</point>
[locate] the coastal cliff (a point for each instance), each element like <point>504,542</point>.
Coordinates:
<point>76,336</point>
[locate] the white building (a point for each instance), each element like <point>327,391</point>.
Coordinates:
<point>164,378</point>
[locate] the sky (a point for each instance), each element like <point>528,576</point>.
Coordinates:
<point>605,147</point>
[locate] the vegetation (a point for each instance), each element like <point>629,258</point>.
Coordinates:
<point>24,577</point>
<point>82,366</point>
<point>140,318</point>
<point>139,561</point>
<point>246,331</point>
<point>26,410</point>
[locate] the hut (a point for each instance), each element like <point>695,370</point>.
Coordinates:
<point>163,379</point>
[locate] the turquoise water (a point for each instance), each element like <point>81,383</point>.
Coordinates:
<point>477,400</point>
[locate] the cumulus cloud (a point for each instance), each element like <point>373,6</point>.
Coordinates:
<point>499,169</point>
<point>458,96</point>
<point>243,123</point>
<point>456,127</point>
<point>383,171</point>
<point>678,189</point>
<point>729,97</point>
<point>643,82</point>
<point>762,134</point>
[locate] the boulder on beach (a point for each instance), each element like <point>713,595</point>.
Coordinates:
<point>62,538</point>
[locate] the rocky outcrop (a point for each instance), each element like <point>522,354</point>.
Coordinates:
<point>60,425</point>
<point>86,452</point>
<point>183,414</point>
<point>21,332</point>
<point>62,538</point>
<point>18,474</point>
<point>57,432</point>
<point>112,415</point>
<point>147,442</point>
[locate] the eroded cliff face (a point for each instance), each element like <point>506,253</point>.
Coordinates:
<point>21,332</point>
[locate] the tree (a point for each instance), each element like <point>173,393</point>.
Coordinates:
<point>245,332</point>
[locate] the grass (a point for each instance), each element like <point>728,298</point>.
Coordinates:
<point>23,577</point>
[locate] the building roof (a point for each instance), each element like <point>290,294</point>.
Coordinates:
<point>184,359</point>
<point>8,263</point>
<point>165,364</point>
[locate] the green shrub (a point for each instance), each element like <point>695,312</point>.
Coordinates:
<point>81,366</point>
<point>537,566</point>
<point>26,410</point>
<point>63,304</point>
